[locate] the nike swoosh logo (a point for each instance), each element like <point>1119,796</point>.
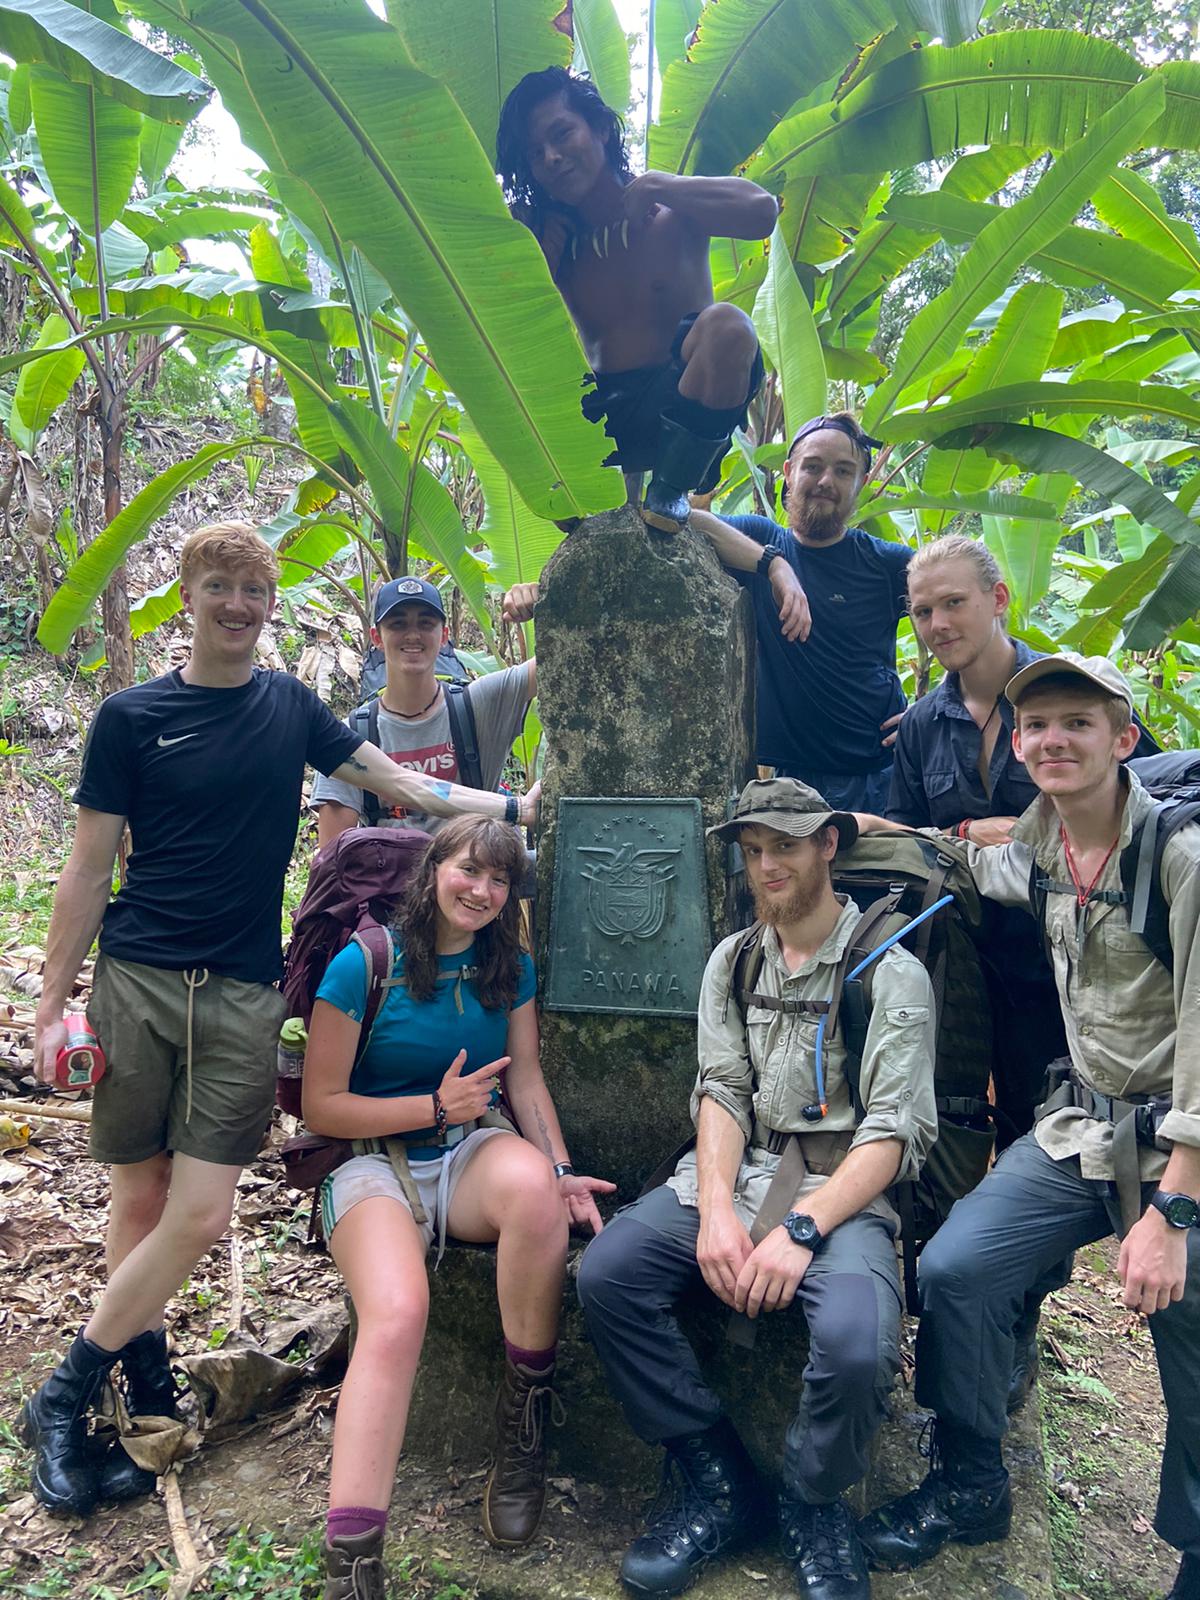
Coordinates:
<point>179,738</point>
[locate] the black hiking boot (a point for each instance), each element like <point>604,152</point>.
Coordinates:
<point>1025,1365</point>
<point>822,1547</point>
<point>53,1422</point>
<point>708,1503</point>
<point>683,459</point>
<point>965,1499</point>
<point>149,1392</point>
<point>354,1567</point>
<point>1187,1580</point>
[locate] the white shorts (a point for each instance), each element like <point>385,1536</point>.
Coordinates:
<point>371,1177</point>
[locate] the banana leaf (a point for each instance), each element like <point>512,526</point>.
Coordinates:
<point>751,62</point>
<point>1012,237</point>
<point>601,40</point>
<point>408,495</point>
<point>1087,398</point>
<point>1133,208</point>
<point>329,96</point>
<point>674,23</point>
<point>1024,546</point>
<point>1039,88</point>
<point>820,217</point>
<point>85,139</point>
<point>86,578</point>
<point>991,503</point>
<point>481,50</point>
<point>952,21</point>
<point>91,53</point>
<point>43,385</point>
<point>520,542</point>
<point>788,334</point>
<point>1016,351</point>
<point>1079,257</point>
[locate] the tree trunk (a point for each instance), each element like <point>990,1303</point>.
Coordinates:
<point>118,639</point>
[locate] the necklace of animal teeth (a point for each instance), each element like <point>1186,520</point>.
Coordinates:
<point>601,238</point>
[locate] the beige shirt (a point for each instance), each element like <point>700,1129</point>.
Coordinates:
<point>763,1069</point>
<point>1131,1029</point>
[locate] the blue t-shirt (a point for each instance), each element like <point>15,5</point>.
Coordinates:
<point>820,703</point>
<point>413,1042</point>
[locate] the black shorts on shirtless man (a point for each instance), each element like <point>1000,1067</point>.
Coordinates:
<point>674,371</point>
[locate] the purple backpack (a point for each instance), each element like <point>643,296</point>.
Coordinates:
<point>353,890</point>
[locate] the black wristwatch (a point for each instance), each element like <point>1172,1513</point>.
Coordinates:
<point>801,1229</point>
<point>762,566</point>
<point>563,1169</point>
<point>1180,1210</point>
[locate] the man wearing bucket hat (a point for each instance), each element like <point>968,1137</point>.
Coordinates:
<point>827,601</point>
<point>781,1200</point>
<point>1116,1147</point>
<point>413,721</point>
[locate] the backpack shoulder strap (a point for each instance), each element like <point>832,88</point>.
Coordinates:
<point>743,974</point>
<point>379,954</point>
<point>364,719</point>
<point>1141,875</point>
<point>464,735</point>
<point>853,1013</point>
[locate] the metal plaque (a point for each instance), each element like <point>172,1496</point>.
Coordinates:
<point>629,927</point>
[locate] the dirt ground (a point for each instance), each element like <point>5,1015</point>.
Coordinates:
<point>1102,1412</point>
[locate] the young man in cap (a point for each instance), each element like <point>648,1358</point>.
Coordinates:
<point>1116,1147</point>
<point>827,601</point>
<point>206,765</point>
<point>781,1201</point>
<point>674,372</point>
<point>414,724</point>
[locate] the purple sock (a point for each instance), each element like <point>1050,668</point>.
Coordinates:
<point>534,1360</point>
<point>348,1522</point>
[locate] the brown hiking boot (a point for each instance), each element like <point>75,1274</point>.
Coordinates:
<point>515,1496</point>
<point>354,1567</point>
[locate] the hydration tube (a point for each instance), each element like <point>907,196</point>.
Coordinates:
<point>887,944</point>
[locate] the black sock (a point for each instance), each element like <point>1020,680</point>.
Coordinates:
<point>704,421</point>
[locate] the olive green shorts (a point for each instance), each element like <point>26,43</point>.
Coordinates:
<point>208,1097</point>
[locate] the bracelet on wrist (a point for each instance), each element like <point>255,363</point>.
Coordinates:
<point>964,829</point>
<point>762,566</point>
<point>440,1119</point>
<point>512,808</point>
<point>563,1169</point>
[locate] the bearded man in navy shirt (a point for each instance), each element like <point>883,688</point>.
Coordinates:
<point>827,600</point>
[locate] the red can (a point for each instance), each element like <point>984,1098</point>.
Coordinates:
<point>80,1063</point>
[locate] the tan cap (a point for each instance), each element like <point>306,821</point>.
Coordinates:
<point>1098,670</point>
<point>788,806</point>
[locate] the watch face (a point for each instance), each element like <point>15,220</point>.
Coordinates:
<point>1180,1210</point>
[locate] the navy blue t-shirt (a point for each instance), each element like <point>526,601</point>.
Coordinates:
<point>210,781</point>
<point>820,703</point>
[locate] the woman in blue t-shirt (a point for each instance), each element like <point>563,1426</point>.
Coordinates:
<point>458,1018</point>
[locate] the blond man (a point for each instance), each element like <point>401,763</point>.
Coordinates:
<point>205,765</point>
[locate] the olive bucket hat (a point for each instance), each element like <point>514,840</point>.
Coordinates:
<point>788,806</point>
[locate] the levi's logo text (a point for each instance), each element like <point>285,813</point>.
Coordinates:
<point>435,760</point>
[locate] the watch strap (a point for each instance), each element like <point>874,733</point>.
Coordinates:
<point>763,565</point>
<point>563,1169</point>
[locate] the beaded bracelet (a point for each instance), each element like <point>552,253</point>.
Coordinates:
<point>439,1113</point>
<point>964,829</point>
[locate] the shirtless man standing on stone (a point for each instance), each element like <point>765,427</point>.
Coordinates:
<point>674,371</point>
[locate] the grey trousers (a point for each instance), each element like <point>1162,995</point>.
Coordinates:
<point>633,1274</point>
<point>974,1276</point>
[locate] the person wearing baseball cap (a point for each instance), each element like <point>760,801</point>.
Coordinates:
<point>828,598</point>
<point>1116,1145</point>
<point>781,1201</point>
<point>461,735</point>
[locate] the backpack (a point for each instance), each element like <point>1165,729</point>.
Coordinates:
<point>364,719</point>
<point>353,889</point>
<point>1172,779</point>
<point>893,878</point>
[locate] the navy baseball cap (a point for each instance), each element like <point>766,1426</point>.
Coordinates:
<point>400,590</point>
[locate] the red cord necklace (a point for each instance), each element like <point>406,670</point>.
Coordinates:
<point>1083,892</point>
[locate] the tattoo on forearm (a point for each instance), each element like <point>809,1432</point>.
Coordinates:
<point>358,766</point>
<point>544,1131</point>
<point>441,788</point>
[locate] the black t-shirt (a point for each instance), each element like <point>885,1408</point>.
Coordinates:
<point>210,781</point>
<point>820,703</point>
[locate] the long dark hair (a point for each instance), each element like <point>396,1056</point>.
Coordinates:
<point>498,946</point>
<point>527,200</point>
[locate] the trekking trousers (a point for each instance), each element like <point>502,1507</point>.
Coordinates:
<point>974,1274</point>
<point>631,1278</point>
